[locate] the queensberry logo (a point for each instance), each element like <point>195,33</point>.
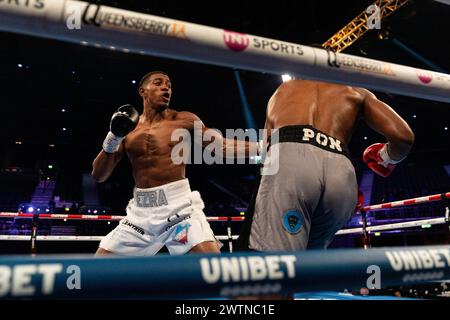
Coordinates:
<point>99,16</point>
<point>236,41</point>
<point>359,64</point>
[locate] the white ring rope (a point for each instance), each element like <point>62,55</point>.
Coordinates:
<point>128,31</point>
<point>71,238</point>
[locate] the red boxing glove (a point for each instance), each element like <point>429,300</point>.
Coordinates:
<point>377,158</point>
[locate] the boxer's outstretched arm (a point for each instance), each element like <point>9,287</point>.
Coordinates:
<point>240,148</point>
<point>104,164</point>
<point>384,120</point>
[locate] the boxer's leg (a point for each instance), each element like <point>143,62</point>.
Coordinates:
<point>338,201</point>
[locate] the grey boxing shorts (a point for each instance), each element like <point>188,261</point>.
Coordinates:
<point>313,194</point>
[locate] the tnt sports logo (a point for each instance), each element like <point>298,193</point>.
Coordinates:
<point>424,77</point>
<point>236,41</point>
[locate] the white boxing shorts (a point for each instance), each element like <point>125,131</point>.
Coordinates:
<point>170,215</point>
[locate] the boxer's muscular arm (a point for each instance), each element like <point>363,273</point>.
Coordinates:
<point>104,164</point>
<point>123,121</point>
<point>384,120</point>
<point>240,148</point>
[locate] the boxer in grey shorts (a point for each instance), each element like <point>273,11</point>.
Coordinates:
<point>313,194</point>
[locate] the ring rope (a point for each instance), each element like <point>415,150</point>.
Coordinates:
<point>127,31</point>
<point>226,275</point>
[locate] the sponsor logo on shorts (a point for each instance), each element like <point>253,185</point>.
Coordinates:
<point>150,199</point>
<point>321,139</point>
<point>177,221</point>
<point>127,223</point>
<point>100,16</point>
<point>293,221</point>
<point>424,77</point>
<point>181,233</point>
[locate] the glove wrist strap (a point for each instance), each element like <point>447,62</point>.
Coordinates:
<point>384,154</point>
<point>111,143</point>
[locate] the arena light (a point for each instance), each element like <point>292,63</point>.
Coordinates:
<point>30,209</point>
<point>286,77</point>
<point>426,226</point>
<point>50,166</point>
<point>133,81</point>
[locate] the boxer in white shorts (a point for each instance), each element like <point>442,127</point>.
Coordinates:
<point>170,215</point>
<point>163,210</point>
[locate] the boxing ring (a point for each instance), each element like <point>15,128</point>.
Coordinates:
<point>227,275</point>
<point>230,274</point>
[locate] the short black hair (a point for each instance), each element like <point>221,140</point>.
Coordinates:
<point>148,75</point>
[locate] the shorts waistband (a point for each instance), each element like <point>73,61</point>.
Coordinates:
<point>310,135</point>
<point>161,195</point>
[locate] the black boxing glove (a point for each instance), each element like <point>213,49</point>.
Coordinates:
<point>123,121</point>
